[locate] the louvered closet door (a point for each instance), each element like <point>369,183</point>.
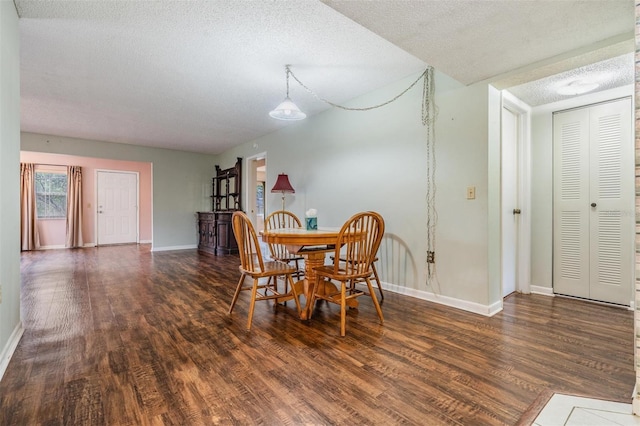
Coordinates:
<point>593,202</point>
<point>571,201</point>
<point>612,182</point>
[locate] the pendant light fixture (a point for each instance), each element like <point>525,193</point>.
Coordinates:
<point>287,110</point>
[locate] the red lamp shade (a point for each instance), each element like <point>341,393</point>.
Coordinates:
<point>282,184</point>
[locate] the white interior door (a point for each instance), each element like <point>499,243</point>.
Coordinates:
<point>571,203</point>
<point>612,193</point>
<point>117,203</point>
<point>510,220</point>
<point>593,202</point>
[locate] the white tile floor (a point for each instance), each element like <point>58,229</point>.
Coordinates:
<point>565,410</point>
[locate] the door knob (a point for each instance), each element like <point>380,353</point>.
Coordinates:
<point>593,204</point>
<point>516,211</point>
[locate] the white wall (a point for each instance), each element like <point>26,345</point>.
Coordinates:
<point>10,325</point>
<point>181,182</point>
<point>542,180</point>
<point>341,162</point>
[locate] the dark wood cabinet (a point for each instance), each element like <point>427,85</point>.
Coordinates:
<point>215,231</point>
<point>226,241</point>
<point>227,185</point>
<point>206,232</point>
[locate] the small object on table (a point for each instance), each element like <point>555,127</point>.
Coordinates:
<point>311,219</point>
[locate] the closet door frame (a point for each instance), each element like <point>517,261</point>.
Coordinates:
<point>594,202</point>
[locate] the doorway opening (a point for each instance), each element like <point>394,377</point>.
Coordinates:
<point>515,195</point>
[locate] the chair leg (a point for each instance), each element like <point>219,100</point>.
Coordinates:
<point>235,295</point>
<point>252,305</point>
<point>299,274</point>
<point>295,294</point>
<point>375,300</point>
<point>375,276</point>
<point>343,308</point>
<point>312,295</point>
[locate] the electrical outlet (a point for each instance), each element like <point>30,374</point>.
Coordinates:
<point>471,193</point>
<point>431,257</point>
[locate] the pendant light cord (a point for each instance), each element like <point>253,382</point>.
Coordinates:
<point>429,115</point>
<point>288,71</point>
<point>315,95</point>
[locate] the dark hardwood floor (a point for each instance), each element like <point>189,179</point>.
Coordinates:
<point>123,336</point>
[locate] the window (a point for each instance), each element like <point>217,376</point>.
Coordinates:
<point>51,195</point>
<point>260,198</point>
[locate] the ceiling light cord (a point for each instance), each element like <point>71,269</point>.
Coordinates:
<point>288,71</point>
<point>429,115</point>
<point>315,95</point>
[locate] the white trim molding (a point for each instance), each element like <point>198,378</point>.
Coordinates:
<point>168,248</point>
<point>546,291</point>
<point>465,305</point>
<point>10,348</point>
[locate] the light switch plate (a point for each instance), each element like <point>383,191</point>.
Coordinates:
<point>471,193</point>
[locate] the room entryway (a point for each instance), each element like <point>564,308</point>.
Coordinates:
<point>256,176</point>
<point>117,202</point>
<point>593,226</point>
<point>515,193</point>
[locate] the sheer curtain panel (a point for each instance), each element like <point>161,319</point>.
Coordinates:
<point>74,207</point>
<point>29,239</point>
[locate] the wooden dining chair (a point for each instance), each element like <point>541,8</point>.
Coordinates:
<point>358,243</point>
<point>375,278</point>
<point>278,220</point>
<point>253,266</point>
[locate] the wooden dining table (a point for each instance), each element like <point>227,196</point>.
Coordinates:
<point>313,245</point>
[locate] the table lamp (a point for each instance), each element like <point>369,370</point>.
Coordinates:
<point>283,185</point>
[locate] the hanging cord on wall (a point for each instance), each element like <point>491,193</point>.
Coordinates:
<point>429,115</point>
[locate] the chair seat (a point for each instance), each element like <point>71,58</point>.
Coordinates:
<point>271,268</point>
<point>342,259</point>
<point>289,257</point>
<point>375,275</point>
<point>329,271</point>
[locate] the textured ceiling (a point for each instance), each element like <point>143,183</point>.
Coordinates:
<point>202,75</point>
<point>474,41</point>
<point>608,74</point>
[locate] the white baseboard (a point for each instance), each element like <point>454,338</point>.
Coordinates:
<point>56,247</point>
<point>85,245</point>
<point>546,291</point>
<point>187,247</point>
<point>465,305</point>
<point>10,347</point>
<point>60,247</point>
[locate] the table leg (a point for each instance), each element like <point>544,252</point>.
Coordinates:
<point>311,260</point>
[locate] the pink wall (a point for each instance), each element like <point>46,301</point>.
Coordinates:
<point>52,232</point>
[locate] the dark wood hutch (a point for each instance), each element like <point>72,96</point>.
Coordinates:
<point>215,231</point>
